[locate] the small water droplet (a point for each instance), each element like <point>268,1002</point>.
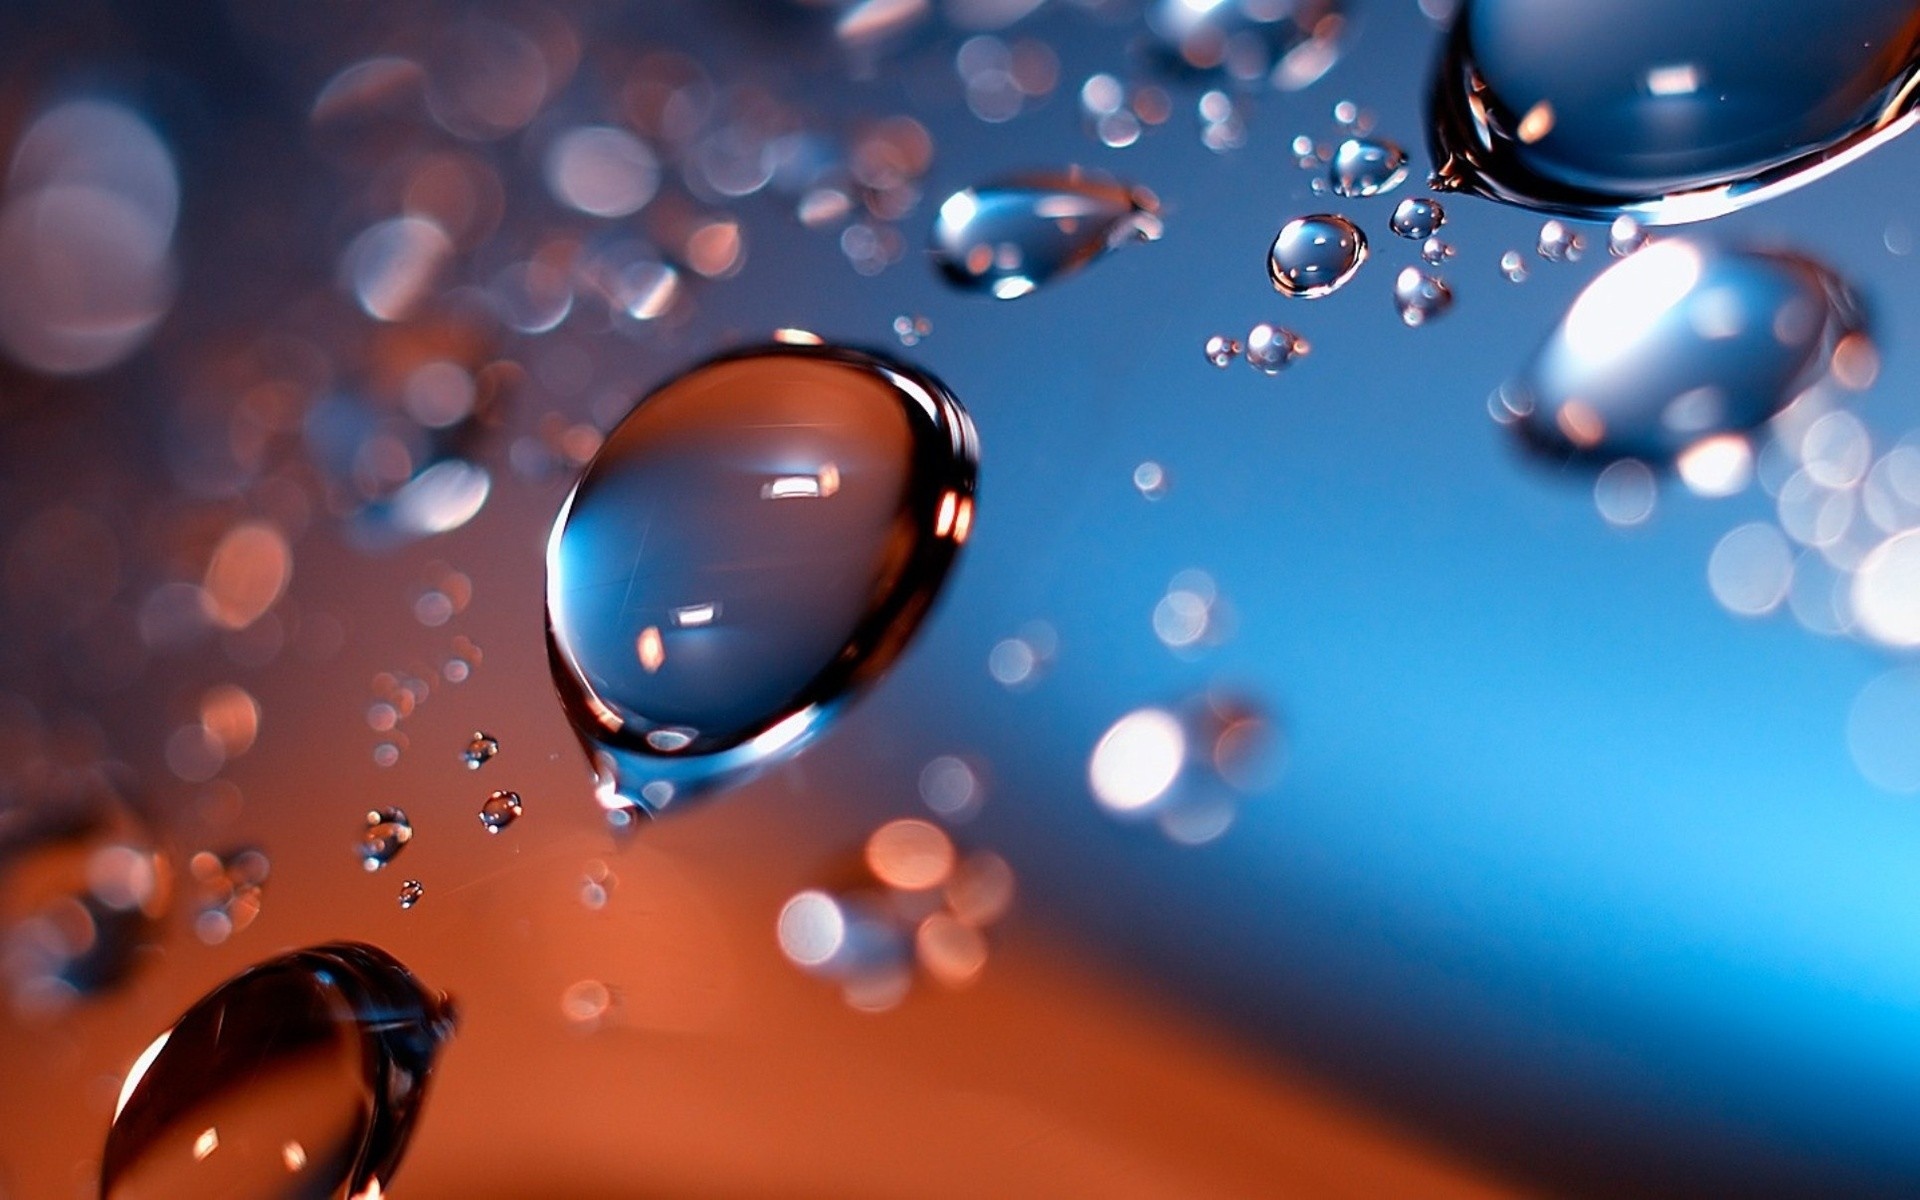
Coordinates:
<point>1010,238</point>
<point>387,833</point>
<point>808,502</point>
<point>1559,243</point>
<point>1513,267</point>
<point>1434,252</point>
<point>480,751</point>
<point>1270,349</point>
<point>1366,167</point>
<point>1313,256</point>
<point>1221,350</point>
<point>1420,297</point>
<point>411,891</point>
<point>1677,114</point>
<point>1417,218</point>
<point>1682,341</point>
<point>1625,236</point>
<point>301,1076</point>
<point>500,810</point>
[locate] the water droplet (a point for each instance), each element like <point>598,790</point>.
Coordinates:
<point>910,330</point>
<point>807,501</point>
<point>387,833</point>
<point>1672,112</point>
<point>1009,238</point>
<point>480,751</point>
<point>411,891</point>
<point>1434,252</point>
<point>500,810</point>
<point>1270,349</point>
<point>1221,350</point>
<point>1417,218</point>
<point>1625,236</point>
<point>1560,243</point>
<point>301,1076</point>
<point>82,892</point>
<point>1312,256</point>
<point>1366,167</point>
<point>1420,297</point>
<point>1513,267</point>
<point>1187,768</point>
<point>1682,341</point>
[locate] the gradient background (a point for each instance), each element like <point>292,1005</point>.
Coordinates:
<point>1570,886</point>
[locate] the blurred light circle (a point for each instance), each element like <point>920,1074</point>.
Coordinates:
<point>1137,760</point>
<point>602,171</point>
<point>85,276</point>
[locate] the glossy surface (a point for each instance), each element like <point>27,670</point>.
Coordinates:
<point>1313,256</point>
<point>1674,112</point>
<point>1008,239</point>
<point>759,539</point>
<point>1366,167</point>
<point>299,1079</point>
<point>1679,342</point>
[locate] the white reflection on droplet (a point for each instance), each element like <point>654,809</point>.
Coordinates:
<point>1750,569</point>
<point>1717,466</point>
<point>441,498</point>
<point>1137,760</point>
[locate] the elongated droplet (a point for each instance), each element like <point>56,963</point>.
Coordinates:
<point>1312,256</point>
<point>1366,167</point>
<point>1221,350</point>
<point>758,540</point>
<point>1673,112</point>
<point>300,1077</point>
<point>1009,238</point>
<point>1679,342</point>
<point>1189,767</point>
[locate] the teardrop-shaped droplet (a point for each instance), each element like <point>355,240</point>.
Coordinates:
<point>1675,112</point>
<point>1417,218</point>
<point>1366,167</point>
<point>1009,238</point>
<point>760,538</point>
<point>1248,38</point>
<point>298,1078</point>
<point>1679,342</point>
<point>1420,297</point>
<point>83,889</point>
<point>1312,256</point>
<point>500,810</point>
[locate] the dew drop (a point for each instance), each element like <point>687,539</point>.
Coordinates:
<point>1513,267</point>
<point>1313,256</point>
<point>1366,167</point>
<point>1221,350</point>
<point>756,542</point>
<point>1271,349</point>
<point>1667,111</point>
<point>301,1076</point>
<point>1420,297</point>
<point>1010,238</point>
<point>387,833</point>
<point>411,892</point>
<point>1679,342</point>
<point>1625,236</point>
<point>1417,218</point>
<point>481,749</point>
<point>500,810</point>
<point>1559,243</point>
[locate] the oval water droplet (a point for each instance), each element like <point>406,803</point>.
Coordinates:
<point>1513,266</point>
<point>1010,238</point>
<point>1417,218</point>
<point>1366,167</point>
<point>1221,350</point>
<point>500,810</point>
<point>1679,342</point>
<point>387,833</point>
<point>1420,297</point>
<point>1312,256</point>
<point>1271,349</point>
<point>1435,251</point>
<point>1674,112</point>
<point>481,749</point>
<point>759,539</point>
<point>299,1077</point>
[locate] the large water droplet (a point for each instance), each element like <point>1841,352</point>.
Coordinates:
<point>1312,256</point>
<point>1365,167</point>
<point>1009,238</point>
<point>1675,112</point>
<point>760,538</point>
<point>1679,342</point>
<point>300,1077</point>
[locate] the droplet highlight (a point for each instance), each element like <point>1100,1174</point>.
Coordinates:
<point>1010,238</point>
<point>1313,256</point>
<point>386,834</point>
<point>1417,218</point>
<point>1366,167</point>
<point>500,810</point>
